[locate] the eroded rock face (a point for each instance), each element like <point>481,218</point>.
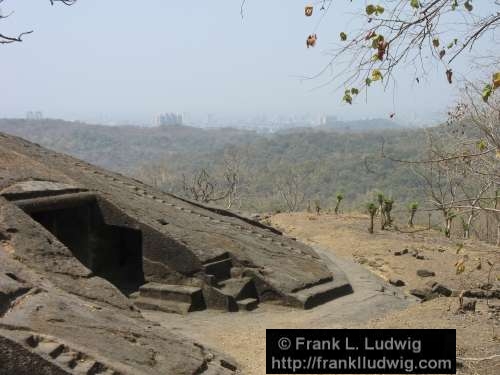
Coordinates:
<point>81,248</point>
<point>180,241</point>
<point>46,330</point>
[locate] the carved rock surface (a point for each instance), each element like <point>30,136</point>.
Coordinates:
<point>77,243</point>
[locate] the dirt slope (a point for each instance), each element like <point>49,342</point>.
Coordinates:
<point>478,334</point>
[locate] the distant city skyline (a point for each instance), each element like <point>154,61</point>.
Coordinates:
<point>197,58</point>
<point>260,122</point>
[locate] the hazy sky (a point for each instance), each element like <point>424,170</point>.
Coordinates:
<point>123,59</point>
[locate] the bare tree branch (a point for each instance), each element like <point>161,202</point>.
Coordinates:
<point>6,39</point>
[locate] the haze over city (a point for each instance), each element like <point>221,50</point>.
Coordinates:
<point>199,188</point>
<point>118,62</point>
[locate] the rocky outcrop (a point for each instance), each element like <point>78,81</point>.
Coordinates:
<point>83,249</point>
<point>46,330</point>
<point>53,196</point>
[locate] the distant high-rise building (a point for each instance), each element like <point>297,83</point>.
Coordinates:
<point>328,120</point>
<point>168,119</point>
<point>34,115</point>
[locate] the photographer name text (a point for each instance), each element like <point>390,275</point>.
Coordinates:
<point>331,344</point>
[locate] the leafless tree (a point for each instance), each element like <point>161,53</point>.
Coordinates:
<point>232,175</point>
<point>441,189</point>
<point>223,184</point>
<point>290,189</point>
<point>156,174</point>
<point>202,187</point>
<point>462,172</point>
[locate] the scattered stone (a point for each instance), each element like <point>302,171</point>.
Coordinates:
<point>401,252</point>
<point>431,283</point>
<point>381,288</point>
<point>425,273</point>
<point>442,289</point>
<point>479,293</point>
<point>397,282</point>
<point>424,294</point>
<point>468,305</point>
<point>421,257</point>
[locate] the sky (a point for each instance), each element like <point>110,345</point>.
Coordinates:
<point>123,60</point>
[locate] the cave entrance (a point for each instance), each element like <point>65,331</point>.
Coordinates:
<point>112,252</point>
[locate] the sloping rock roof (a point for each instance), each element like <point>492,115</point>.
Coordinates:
<point>287,265</point>
<point>55,305</point>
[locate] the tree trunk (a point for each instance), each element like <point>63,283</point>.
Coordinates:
<point>370,229</point>
<point>467,226</point>
<point>498,234</point>
<point>412,217</point>
<point>388,219</point>
<point>447,230</point>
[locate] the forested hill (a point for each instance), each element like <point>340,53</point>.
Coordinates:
<point>121,148</point>
<point>322,162</point>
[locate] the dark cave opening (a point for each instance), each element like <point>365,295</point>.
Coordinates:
<point>111,252</point>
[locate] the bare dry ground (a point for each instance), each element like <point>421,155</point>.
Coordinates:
<point>374,304</point>
<point>478,334</point>
<point>347,236</point>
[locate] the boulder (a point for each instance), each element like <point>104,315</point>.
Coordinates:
<point>425,294</point>
<point>442,290</point>
<point>468,305</point>
<point>397,282</point>
<point>425,273</point>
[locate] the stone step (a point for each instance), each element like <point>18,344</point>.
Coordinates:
<point>68,359</point>
<point>216,299</point>
<point>247,304</point>
<point>221,270</point>
<point>59,357</point>
<point>89,367</point>
<point>239,288</point>
<point>84,367</point>
<point>169,306</point>
<point>181,293</point>
<point>322,293</point>
<point>52,349</point>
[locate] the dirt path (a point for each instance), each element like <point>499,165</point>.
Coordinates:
<point>367,261</point>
